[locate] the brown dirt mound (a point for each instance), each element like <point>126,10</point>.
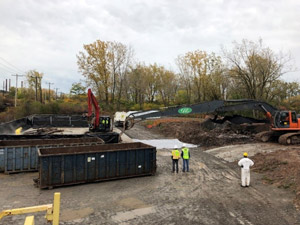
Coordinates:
<point>281,168</point>
<point>207,133</point>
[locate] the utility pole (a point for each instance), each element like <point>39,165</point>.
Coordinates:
<point>49,88</point>
<point>61,95</point>
<point>56,93</point>
<point>16,89</point>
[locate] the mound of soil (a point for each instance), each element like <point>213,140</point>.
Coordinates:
<point>237,119</point>
<point>282,169</point>
<point>209,133</point>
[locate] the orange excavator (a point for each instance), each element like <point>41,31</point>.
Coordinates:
<point>285,126</point>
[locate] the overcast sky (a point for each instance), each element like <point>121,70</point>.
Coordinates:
<point>46,35</point>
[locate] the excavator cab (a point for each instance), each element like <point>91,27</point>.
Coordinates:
<point>286,119</point>
<point>105,124</point>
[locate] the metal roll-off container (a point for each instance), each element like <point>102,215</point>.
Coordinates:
<point>21,155</point>
<point>75,165</point>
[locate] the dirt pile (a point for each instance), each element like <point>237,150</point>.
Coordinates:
<point>207,132</point>
<point>282,169</point>
<point>237,119</point>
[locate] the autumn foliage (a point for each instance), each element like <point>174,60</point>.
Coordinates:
<point>249,70</point>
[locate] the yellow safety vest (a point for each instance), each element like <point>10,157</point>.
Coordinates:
<point>175,154</point>
<point>185,153</point>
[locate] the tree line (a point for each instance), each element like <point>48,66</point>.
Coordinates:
<point>248,70</point>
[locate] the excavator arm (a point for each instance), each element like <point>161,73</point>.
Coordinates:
<point>92,103</point>
<point>96,122</point>
<point>284,124</point>
<point>217,106</point>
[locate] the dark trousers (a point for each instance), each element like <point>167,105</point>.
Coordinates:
<point>175,164</point>
<point>185,165</point>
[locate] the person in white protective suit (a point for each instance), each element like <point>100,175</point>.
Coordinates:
<point>245,164</point>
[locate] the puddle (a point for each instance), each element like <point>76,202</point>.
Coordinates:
<point>163,153</point>
<point>165,143</point>
<point>71,215</point>
<point>129,215</point>
<point>132,203</point>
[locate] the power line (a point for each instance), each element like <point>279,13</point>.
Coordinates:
<point>9,70</point>
<point>18,69</point>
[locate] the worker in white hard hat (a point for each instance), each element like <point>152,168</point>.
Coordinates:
<point>245,164</point>
<point>175,157</point>
<point>185,154</point>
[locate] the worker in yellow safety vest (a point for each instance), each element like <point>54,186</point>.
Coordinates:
<point>105,122</point>
<point>185,154</point>
<point>175,158</point>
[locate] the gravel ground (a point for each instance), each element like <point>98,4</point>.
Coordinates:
<point>209,194</point>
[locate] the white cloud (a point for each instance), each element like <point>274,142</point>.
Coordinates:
<point>47,35</point>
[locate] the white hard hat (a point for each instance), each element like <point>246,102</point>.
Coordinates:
<point>175,146</point>
<point>183,145</point>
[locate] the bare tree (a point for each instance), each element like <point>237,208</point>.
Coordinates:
<point>123,71</point>
<point>167,85</point>
<point>216,81</point>
<point>185,77</point>
<point>138,84</point>
<point>256,67</point>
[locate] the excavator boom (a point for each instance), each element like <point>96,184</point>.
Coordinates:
<point>92,102</point>
<point>96,122</point>
<point>284,124</point>
<point>217,106</point>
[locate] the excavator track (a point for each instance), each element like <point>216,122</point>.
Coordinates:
<point>290,139</point>
<point>264,136</point>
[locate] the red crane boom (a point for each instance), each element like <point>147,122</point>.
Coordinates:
<point>92,101</point>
